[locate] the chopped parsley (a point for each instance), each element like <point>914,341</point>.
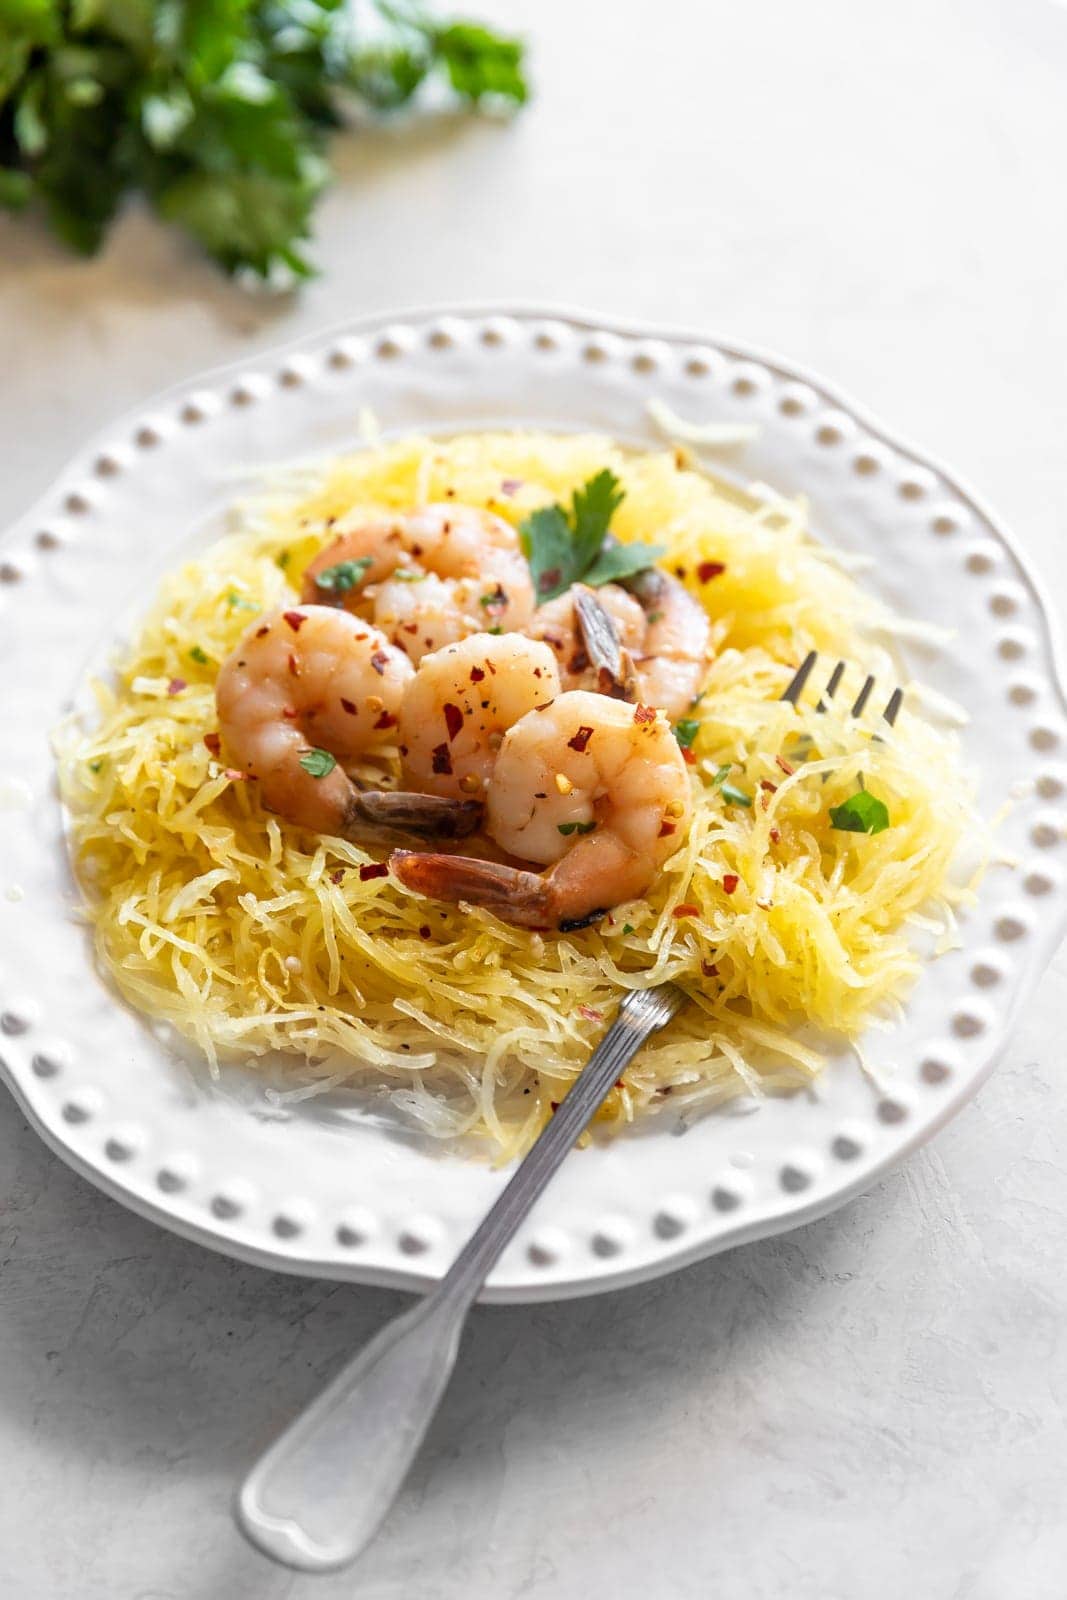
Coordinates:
<point>730,792</point>
<point>343,576</point>
<point>402,574</point>
<point>627,927</point>
<point>236,603</point>
<point>197,655</point>
<point>567,828</point>
<point>563,546</point>
<point>863,813</point>
<point>686,731</point>
<point>317,762</point>
<point>94,766</point>
<point>283,559</point>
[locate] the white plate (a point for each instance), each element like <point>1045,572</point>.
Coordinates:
<point>327,1191</point>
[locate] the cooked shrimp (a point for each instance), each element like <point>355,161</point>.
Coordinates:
<point>593,789</point>
<point>557,623</point>
<point>658,625</point>
<point>461,702</point>
<point>427,578</point>
<point>305,691</point>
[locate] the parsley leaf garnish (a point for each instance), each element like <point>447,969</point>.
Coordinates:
<point>344,575</point>
<point>563,546</point>
<point>863,813</point>
<point>317,762</point>
<point>567,828</point>
<point>198,655</point>
<point>617,561</point>
<point>686,731</point>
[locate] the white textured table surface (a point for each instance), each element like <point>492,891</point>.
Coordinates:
<point>875,1405</point>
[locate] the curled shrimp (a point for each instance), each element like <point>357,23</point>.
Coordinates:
<point>307,690</point>
<point>426,578</point>
<point>592,789</point>
<point>648,641</point>
<point>461,702</point>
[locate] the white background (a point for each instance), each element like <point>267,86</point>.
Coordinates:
<point>873,1406</point>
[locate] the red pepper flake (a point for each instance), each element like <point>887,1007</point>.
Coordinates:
<point>294,668</point>
<point>679,572</point>
<point>730,881</point>
<point>775,836</point>
<point>410,627</point>
<point>590,1013</point>
<point>491,667</point>
<point>453,720</point>
<point>290,713</point>
<point>295,619</point>
<point>765,801</point>
<point>666,829</point>
<point>386,720</point>
<point>477,674</point>
<point>261,631</point>
<point>548,580</point>
<point>176,685</point>
<point>213,743</point>
<point>510,486</point>
<point>337,874</point>
<point>554,1104</point>
<point>578,662</point>
<point>376,869</point>
<point>784,764</point>
<point>689,756</point>
<point>581,739</point>
<point>709,969</point>
<point>687,910</point>
<point>379,661</point>
<point>441,760</point>
<point>710,569</point>
<point>346,705</point>
<point>765,783</point>
<point>235,776</point>
<point>644,715</point>
<point>425,932</point>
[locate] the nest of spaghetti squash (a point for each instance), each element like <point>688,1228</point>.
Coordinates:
<point>250,937</point>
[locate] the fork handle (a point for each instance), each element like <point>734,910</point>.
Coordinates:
<point>320,1492</point>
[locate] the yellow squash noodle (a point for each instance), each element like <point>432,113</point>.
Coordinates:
<point>251,937</point>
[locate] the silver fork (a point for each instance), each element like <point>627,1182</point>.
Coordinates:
<point>320,1492</point>
<point>800,677</point>
<point>318,1495</point>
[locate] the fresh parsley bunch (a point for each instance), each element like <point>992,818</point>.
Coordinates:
<point>217,110</point>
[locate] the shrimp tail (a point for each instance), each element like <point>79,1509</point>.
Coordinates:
<point>514,895</point>
<point>648,587</point>
<point>600,638</point>
<point>428,816</point>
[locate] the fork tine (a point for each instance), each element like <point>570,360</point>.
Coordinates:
<point>895,701</point>
<point>800,678</point>
<point>831,688</point>
<point>862,698</point>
